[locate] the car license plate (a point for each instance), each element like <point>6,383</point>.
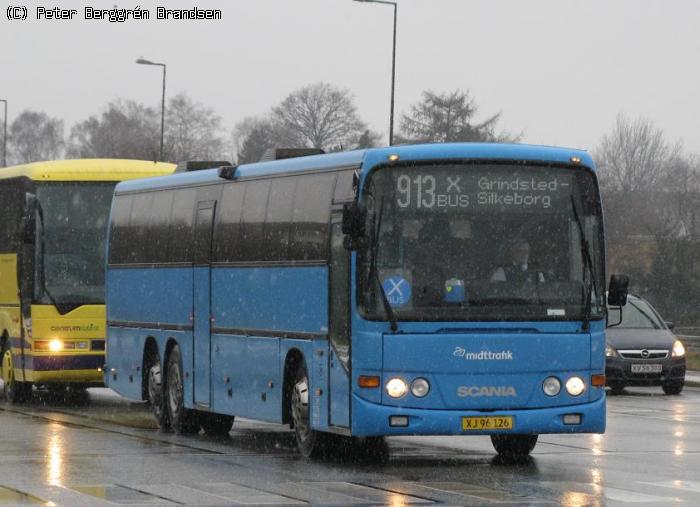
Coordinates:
<point>647,368</point>
<point>487,423</point>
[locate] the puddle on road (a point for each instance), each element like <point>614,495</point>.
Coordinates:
<point>120,494</point>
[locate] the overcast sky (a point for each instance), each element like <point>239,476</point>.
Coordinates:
<point>559,71</point>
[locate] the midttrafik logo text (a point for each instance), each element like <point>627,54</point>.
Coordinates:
<point>483,355</point>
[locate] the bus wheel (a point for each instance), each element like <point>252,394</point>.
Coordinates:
<point>182,420</point>
<point>308,440</point>
<point>215,424</point>
<point>514,446</point>
<point>156,400</point>
<point>15,391</point>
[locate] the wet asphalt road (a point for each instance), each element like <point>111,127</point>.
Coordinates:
<point>103,453</point>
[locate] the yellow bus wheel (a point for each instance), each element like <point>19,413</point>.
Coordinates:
<point>15,391</point>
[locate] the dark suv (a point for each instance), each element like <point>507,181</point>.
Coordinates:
<point>641,350</point>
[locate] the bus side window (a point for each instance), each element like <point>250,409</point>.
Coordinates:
<point>158,226</point>
<point>227,237</point>
<point>278,219</point>
<point>119,241</point>
<point>138,228</point>
<point>180,228</point>
<point>339,316</point>
<point>312,199</point>
<point>253,219</point>
<point>344,191</point>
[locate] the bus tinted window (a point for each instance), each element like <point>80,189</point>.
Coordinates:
<point>138,228</point>
<point>253,220</point>
<point>180,230</point>
<point>119,243</point>
<point>227,244</point>
<point>277,221</point>
<point>158,226</point>
<point>343,187</point>
<point>310,218</point>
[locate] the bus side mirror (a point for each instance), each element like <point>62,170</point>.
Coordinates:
<point>618,289</point>
<point>29,219</point>
<point>354,219</point>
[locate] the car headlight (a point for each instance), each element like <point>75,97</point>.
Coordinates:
<point>575,386</point>
<point>609,351</point>
<point>678,349</point>
<point>396,388</point>
<point>551,386</point>
<point>420,387</point>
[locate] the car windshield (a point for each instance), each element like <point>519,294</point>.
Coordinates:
<point>636,314</point>
<point>482,242</point>
<point>74,228</point>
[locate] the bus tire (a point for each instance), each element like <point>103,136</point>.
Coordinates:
<point>14,390</point>
<point>156,398</point>
<point>216,424</point>
<point>182,420</point>
<point>514,446</point>
<point>308,440</point>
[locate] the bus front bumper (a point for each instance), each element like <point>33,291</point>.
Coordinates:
<point>370,419</point>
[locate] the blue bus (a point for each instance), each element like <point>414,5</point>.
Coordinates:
<point>445,289</point>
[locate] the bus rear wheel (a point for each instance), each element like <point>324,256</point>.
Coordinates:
<point>308,440</point>
<point>514,446</point>
<point>15,391</point>
<point>215,424</point>
<point>182,420</point>
<point>156,400</point>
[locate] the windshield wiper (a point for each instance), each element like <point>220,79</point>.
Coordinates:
<point>590,283</point>
<point>374,273</point>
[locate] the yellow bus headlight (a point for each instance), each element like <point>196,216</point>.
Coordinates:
<point>55,345</point>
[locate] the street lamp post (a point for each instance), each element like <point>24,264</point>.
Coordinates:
<point>393,67</point>
<point>142,61</point>
<point>4,136</point>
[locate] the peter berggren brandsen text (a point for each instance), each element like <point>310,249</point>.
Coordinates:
<point>120,15</point>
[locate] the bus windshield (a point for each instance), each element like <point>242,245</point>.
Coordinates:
<point>482,242</point>
<point>72,251</point>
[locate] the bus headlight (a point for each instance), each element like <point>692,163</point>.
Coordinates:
<point>575,386</point>
<point>551,386</point>
<point>678,349</point>
<point>609,351</point>
<point>55,345</point>
<point>396,388</point>
<point>420,387</point>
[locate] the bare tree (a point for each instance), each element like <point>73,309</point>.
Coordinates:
<point>252,137</point>
<point>448,117</point>
<point>318,116</point>
<point>635,155</point>
<point>126,129</point>
<point>192,131</point>
<point>34,136</point>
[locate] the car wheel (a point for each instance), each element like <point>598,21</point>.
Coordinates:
<point>183,420</point>
<point>15,391</point>
<point>514,446</point>
<point>617,389</point>
<point>672,387</point>
<point>215,424</point>
<point>308,440</point>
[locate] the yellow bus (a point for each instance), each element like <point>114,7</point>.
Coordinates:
<point>53,223</point>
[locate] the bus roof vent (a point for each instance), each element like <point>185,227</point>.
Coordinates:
<point>281,153</point>
<point>198,165</point>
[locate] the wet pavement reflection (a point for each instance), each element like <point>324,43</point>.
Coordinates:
<point>97,449</point>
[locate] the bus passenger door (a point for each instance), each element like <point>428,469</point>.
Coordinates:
<point>339,328</point>
<point>202,302</point>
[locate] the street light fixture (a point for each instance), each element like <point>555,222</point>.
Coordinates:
<point>142,61</point>
<point>4,136</point>
<point>393,67</point>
